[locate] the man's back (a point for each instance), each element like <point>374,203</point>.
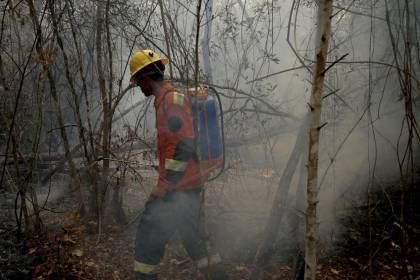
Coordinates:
<point>178,162</point>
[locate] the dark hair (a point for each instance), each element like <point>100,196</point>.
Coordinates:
<point>154,71</point>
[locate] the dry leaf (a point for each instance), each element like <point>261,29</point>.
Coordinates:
<point>90,263</point>
<point>240,268</point>
<point>335,271</point>
<point>77,253</point>
<point>75,229</point>
<point>66,238</point>
<point>268,173</point>
<point>115,275</point>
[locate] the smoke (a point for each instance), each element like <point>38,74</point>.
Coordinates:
<point>358,149</point>
<point>362,114</point>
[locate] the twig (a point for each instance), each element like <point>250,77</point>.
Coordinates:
<point>277,73</point>
<point>334,63</point>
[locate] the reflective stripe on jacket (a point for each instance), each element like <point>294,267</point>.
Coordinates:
<point>178,165</point>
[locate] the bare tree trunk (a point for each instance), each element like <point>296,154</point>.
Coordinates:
<point>106,109</point>
<point>57,106</point>
<point>280,204</point>
<point>322,44</point>
<point>205,43</point>
<point>116,202</point>
<point>93,169</point>
<point>76,100</point>
<point>297,223</point>
<point>21,186</point>
<point>403,43</point>
<point>32,163</point>
<point>168,44</point>
<point>83,79</point>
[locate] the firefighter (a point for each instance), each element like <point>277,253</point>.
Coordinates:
<point>174,204</point>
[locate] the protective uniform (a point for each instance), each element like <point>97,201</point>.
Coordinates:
<point>178,163</point>
<point>176,198</point>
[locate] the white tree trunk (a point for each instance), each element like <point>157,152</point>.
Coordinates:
<point>106,125</point>
<point>322,43</point>
<point>205,43</point>
<point>167,38</point>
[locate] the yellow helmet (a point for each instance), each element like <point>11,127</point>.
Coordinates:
<point>142,58</point>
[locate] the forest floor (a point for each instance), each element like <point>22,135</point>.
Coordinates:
<point>70,249</point>
<point>74,254</point>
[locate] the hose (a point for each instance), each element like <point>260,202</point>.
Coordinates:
<point>222,130</point>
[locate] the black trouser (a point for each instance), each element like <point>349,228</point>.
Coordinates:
<point>178,210</point>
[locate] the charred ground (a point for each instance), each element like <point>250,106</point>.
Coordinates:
<point>368,247</point>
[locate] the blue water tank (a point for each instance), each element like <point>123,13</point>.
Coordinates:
<point>209,128</point>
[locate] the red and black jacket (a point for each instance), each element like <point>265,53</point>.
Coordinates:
<point>178,162</point>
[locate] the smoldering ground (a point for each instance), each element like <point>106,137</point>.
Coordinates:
<point>240,202</point>
<point>358,149</point>
<point>359,143</point>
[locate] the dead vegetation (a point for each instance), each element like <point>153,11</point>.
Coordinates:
<point>78,158</point>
